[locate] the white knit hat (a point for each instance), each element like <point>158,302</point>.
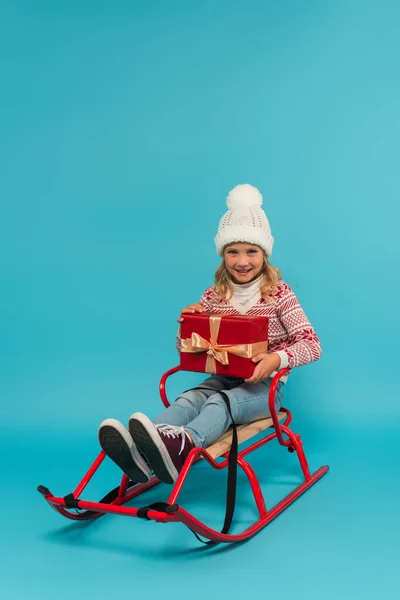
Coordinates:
<point>245,220</point>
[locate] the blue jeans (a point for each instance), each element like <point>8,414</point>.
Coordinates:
<point>203,412</point>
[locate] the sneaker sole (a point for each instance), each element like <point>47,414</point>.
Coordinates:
<point>149,442</point>
<point>115,444</point>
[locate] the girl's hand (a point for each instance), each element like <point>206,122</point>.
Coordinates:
<point>192,308</point>
<point>267,364</point>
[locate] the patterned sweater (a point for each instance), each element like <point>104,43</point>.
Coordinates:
<point>290,333</point>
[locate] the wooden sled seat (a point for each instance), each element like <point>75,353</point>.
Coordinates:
<point>245,432</point>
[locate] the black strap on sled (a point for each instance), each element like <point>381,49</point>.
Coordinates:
<point>143,512</point>
<point>232,474</point>
<point>232,470</point>
<point>72,502</point>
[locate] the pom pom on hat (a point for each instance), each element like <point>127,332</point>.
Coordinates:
<point>244,195</point>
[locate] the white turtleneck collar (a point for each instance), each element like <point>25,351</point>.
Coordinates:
<point>245,295</point>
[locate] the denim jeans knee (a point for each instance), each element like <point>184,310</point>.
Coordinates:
<point>249,402</point>
<point>185,408</point>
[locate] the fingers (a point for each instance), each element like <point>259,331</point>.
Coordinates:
<point>192,308</point>
<point>259,357</point>
<point>256,377</point>
<point>253,380</point>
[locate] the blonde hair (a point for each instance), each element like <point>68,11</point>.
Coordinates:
<point>270,277</point>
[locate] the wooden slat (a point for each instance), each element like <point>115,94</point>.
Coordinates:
<point>245,432</point>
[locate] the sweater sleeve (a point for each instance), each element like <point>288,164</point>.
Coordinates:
<point>303,344</point>
<point>205,301</point>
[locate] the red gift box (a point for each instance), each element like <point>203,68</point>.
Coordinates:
<point>222,344</point>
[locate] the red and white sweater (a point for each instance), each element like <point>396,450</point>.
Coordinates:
<point>290,333</point>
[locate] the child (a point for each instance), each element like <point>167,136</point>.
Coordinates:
<point>245,283</point>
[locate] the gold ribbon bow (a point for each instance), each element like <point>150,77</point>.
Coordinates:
<point>219,352</point>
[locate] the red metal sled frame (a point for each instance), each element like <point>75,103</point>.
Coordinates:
<point>124,494</point>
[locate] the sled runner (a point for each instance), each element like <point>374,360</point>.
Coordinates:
<point>227,448</point>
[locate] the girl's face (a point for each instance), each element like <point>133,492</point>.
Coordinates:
<point>243,261</point>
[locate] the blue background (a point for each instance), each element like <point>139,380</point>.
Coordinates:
<point>123,127</point>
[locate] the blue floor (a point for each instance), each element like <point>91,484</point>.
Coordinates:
<point>339,540</point>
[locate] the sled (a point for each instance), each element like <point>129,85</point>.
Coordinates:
<point>227,450</point>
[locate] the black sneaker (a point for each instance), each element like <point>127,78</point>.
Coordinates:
<point>118,444</point>
<point>164,446</point>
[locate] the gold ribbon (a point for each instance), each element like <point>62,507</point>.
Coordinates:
<point>219,352</point>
